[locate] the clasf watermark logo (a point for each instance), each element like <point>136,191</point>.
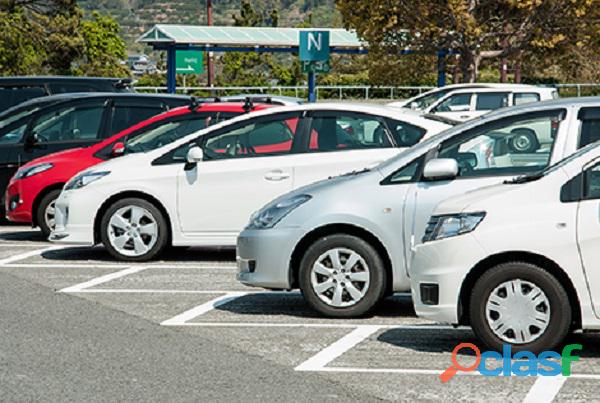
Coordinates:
<point>522,363</point>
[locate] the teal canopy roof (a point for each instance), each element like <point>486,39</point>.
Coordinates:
<point>242,36</point>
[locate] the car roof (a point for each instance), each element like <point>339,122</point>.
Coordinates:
<point>60,98</point>
<point>528,88</point>
<point>47,79</point>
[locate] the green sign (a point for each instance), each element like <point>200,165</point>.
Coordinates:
<point>314,45</point>
<point>316,67</point>
<point>189,62</point>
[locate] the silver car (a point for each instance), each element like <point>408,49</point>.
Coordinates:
<point>347,242</point>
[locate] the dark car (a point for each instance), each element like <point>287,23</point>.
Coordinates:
<point>14,90</point>
<point>46,125</point>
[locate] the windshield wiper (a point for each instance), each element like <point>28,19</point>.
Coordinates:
<point>525,178</point>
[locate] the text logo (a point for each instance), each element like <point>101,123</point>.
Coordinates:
<point>522,363</point>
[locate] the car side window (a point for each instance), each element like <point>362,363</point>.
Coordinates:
<point>125,116</point>
<point>592,183</point>
<point>338,131</point>
<point>406,174</point>
<point>11,96</point>
<point>62,88</point>
<point>13,135</point>
<point>455,103</point>
<point>405,134</point>
<point>75,122</point>
<point>272,135</point>
<point>516,145</point>
<point>590,132</point>
<point>490,101</point>
<point>521,98</point>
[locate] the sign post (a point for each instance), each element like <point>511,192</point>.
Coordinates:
<point>314,55</point>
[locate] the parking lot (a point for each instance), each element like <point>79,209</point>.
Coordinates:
<point>391,355</point>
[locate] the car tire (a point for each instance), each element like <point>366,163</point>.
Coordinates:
<point>353,291</point>
<point>524,289</point>
<point>134,230</point>
<point>44,214</point>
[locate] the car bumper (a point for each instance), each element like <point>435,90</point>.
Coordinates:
<point>18,204</point>
<point>264,256</point>
<point>74,215</point>
<point>437,273</point>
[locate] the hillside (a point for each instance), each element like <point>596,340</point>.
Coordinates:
<point>136,16</point>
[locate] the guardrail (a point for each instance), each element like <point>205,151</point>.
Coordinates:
<point>364,92</point>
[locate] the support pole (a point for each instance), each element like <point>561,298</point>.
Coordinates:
<point>441,68</point>
<point>171,70</point>
<point>312,96</point>
<point>209,60</point>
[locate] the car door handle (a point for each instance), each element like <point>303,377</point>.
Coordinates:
<point>276,175</point>
<point>465,117</point>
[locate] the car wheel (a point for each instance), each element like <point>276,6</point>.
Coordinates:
<point>522,305</point>
<point>342,276</point>
<point>524,142</point>
<point>45,217</point>
<point>134,230</point>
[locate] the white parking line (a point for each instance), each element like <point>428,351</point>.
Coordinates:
<point>103,279</point>
<point>25,255</point>
<point>330,353</point>
<point>182,318</point>
<point>545,389</point>
<point>206,266</point>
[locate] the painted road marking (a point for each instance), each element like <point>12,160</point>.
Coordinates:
<point>25,255</point>
<point>103,279</point>
<point>330,353</point>
<point>545,389</point>
<point>182,318</point>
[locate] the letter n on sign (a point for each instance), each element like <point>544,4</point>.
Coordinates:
<point>314,46</point>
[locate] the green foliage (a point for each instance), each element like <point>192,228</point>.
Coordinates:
<point>103,48</point>
<point>51,37</point>
<point>19,54</point>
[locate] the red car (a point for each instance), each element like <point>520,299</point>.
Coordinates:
<point>32,191</point>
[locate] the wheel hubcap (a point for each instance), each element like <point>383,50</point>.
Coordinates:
<point>49,215</point>
<point>132,231</point>
<point>522,143</point>
<point>340,277</point>
<point>518,311</point>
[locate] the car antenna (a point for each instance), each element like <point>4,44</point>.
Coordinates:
<point>248,105</point>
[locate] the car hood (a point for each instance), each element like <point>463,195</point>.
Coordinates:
<point>71,154</point>
<point>330,185</point>
<point>124,162</point>
<point>477,197</point>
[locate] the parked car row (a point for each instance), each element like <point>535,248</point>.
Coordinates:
<point>348,203</point>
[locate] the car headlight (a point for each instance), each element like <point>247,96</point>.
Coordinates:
<point>271,215</point>
<point>26,172</point>
<point>449,225</point>
<point>84,179</point>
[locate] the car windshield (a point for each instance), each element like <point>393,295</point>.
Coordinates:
<point>427,100</point>
<point>8,118</point>
<point>157,137</point>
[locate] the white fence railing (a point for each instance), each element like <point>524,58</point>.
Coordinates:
<point>365,92</point>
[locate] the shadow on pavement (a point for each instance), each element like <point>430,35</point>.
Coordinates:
<point>31,235</point>
<point>292,304</point>
<point>178,255</point>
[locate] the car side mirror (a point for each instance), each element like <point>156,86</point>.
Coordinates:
<point>117,150</point>
<point>440,168</point>
<point>195,155</point>
<point>414,105</point>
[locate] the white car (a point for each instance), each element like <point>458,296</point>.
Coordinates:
<point>366,226</point>
<point>518,262</point>
<point>201,189</point>
<point>465,102</point>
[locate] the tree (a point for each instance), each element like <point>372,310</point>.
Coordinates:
<point>476,29</point>
<point>103,48</point>
<point>51,37</point>
<point>19,54</point>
